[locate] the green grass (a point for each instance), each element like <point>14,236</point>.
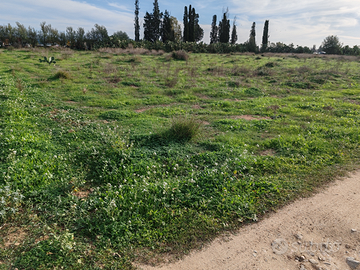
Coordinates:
<point>127,157</point>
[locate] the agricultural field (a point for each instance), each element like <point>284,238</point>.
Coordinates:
<point>118,157</point>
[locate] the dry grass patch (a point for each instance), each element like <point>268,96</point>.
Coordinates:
<point>14,237</point>
<point>251,117</point>
<point>268,152</point>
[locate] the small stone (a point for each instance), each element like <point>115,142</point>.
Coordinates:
<point>352,262</point>
<point>302,267</point>
<point>347,246</point>
<point>298,236</point>
<point>353,230</point>
<point>327,263</point>
<point>301,258</point>
<point>313,261</point>
<point>321,259</point>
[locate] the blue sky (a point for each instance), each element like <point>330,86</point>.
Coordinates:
<point>301,22</point>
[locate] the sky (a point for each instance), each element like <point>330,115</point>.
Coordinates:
<point>302,22</point>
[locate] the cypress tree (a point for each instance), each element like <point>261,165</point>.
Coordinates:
<point>252,41</point>
<point>234,36</point>
<point>152,22</point>
<point>214,31</point>
<point>137,25</point>
<point>198,31</point>
<point>265,37</point>
<point>157,15</point>
<point>224,29</point>
<point>191,24</point>
<point>186,25</point>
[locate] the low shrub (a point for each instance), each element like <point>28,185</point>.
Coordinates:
<point>61,74</point>
<point>180,55</point>
<point>183,129</point>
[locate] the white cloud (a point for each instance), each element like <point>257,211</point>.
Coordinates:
<point>302,22</point>
<point>63,13</point>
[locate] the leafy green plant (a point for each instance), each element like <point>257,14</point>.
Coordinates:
<point>50,60</point>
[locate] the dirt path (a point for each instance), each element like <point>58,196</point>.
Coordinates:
<point>320,232</point>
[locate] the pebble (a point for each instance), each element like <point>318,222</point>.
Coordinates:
<point>353,230</point>
<point>302,267</point>
<point>352,262</point>
<point>298,236</point>
<point>313,261</point>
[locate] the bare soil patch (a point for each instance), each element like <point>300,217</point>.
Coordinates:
<point>318,232</point>
<point>268,152</point>
<point>14,237</point>
<point>251,117</point>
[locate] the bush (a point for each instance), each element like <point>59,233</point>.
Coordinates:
<point>183,129</point>
<point>180,55</point>
<point>61,74</point>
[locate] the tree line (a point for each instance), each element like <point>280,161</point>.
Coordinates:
<point>97,37</point>
<point>163,32</point>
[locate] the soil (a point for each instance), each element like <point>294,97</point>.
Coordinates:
<point>318,232</point>
<point>251,117</point>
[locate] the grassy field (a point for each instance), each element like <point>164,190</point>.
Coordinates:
<point>122,156</point>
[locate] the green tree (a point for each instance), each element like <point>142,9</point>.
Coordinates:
<point>186,25</point>
<point>120,35</point>
<point>33,36</point>
<point>167,31</point>
<point>192,30</point>
<point>176,28</point>
<point>53,35</point>
<point>62,38</point>
<point>152,22</point>
<point>80,39</point>
<point>214,31</point>
<point>44,32</point>
<point>224,28</point>
<point>71,37</point>
<point>234,36</point>
<point>252,42</point>
<point>198,31</point>
<point>137,25</point>
<point>331,45</point>
<point>265,37</point>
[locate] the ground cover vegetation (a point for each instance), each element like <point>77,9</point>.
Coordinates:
<point>118,156</point>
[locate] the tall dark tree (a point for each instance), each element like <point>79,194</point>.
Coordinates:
<point>265,37</point>
<point>157,15</point>
<point>198,31</point>
<point>137,25</point>
<point>152,22</point>
<point>214,31</point>
<point>224,29</point>
<point>191,24</point>
<point>192,30</point>
<point>186,25</point>
<point>234,36</point>
<point>252,42</point>
<point>167,31</point>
